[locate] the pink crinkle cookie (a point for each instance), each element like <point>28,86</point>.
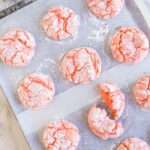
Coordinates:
<point>61,135</point>
<point>142,92</point>
<point>113,98</point>
<point>36,90</point>
<point>129,45</point>
<point>17,47</point>
<point>60,22</point>
<point>81,65</point>
<point>102,125</point>
<point>133,144</point>
<point>105,9</point>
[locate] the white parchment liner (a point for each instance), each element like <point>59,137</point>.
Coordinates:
<point>70,98</point>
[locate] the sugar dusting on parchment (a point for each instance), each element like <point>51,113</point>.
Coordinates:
<point>99,34</point>
<point>48,64</point>
<point>100,28</point>
<point>52,68</point>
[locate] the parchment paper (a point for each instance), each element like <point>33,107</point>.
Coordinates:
<point>94,33</point>
<point>75,109</point>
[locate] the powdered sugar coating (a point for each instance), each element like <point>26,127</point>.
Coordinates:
<point>129,45</point>
<point>81,65</point>
<point>133,144</point>
<point>102,125</point>
<point>36,90</point>
<point>61,135</point>
<point>17,47</point>
<point>142,92</point>
<point>113,98</point>
<point>60,22</point>
<point>105,9</point>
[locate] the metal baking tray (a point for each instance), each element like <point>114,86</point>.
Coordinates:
<point>47,58</point>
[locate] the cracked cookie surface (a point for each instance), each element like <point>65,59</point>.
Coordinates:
<point>61,135</point>
<point>36,90</point>
<point>81,65</point>
<point>113,98</point>
<point>105,9</point>
<point>129,45</point>
<point>133,144</point>
<point>102,125</point>
<point>17,47</point>
<point>60,22</point>
<point>142,92</point>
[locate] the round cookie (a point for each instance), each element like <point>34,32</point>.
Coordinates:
<point>133,144</point>
<point>102,125</point>
<point>60,23</point>
<point>61,135</point>
<point>17,47</point>
<point>105,9</point>
<point>142,92</point>
<point>113,98</point>
<point>129,45</point>
<point>36,90</point>
<point>81,65</point>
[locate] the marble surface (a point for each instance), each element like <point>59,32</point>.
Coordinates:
<point>11,136</point>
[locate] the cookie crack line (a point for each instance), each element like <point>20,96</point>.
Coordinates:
<point>60,23</point>
<point>17,47</point>
<point>113,97</point>
<point>102,125</point>
<point>105,9</point>
<point>64,135</point>
<point>142,92</point>
<point>133,143</point>
<point>36,90</point>
<point>81,65</point>
<point>129,45</point>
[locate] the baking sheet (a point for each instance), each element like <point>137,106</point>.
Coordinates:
<point>48,56</point>
<point>48,52</point>
<point>134,119</point>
